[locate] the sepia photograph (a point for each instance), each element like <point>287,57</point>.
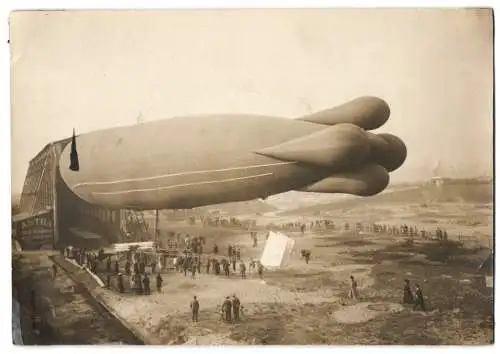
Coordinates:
<point>236,177</point>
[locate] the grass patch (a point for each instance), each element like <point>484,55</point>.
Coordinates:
<point>304,282</point>
<point>357,243</point>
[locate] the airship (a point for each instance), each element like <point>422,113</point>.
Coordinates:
<point>187,162</point>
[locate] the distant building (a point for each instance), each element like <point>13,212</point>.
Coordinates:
<point>437,181</point>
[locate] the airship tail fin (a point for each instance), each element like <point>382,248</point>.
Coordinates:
<point>339,147</point>
<point>74,164</point>
<point>367,113</point>
<point>365,181</point>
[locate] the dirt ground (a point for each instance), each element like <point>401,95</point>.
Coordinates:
<point>306,304</point>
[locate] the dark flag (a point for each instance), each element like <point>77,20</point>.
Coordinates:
<point>74,164</point>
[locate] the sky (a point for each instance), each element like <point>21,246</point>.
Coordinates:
<point>96,70</point>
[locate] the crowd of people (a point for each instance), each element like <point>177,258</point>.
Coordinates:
<point>403,230</point>
<point>191,264</point>
<point>140,269</point>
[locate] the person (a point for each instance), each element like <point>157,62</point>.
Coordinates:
<point>260,270</point>
<point>195,308</point>
<point>108,265</point>
<point>117,267</point>
<point>407,293</point>
<point>236,308</point>
<point>227,306</point>
<point>252,264</point>
<point>243,270</point>
<point>217,267</point>
<point>353,291</point>
<point>198,264</point>
<point>419,298</point>
<point>193,269</point>
<point>234,264</point>
<point>145,282</point>
<point>153,267</point>
<point>307,256</point>
<point>208,265</point>
<point>215,249</point>
<point>138,284</point>
<point>121,288</point>
<point>131,281</point>
<point>54,270</point>
<point>159,282</point>
<point>127,267</point>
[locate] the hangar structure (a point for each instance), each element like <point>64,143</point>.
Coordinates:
<point>52,216</point>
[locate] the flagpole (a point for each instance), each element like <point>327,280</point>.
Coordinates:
<point>156,227</point>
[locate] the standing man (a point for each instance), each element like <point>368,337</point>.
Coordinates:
<point>407,293</point>
<point>193,269</point>
<point>227,306</point>
<point>159,282</point>
<point>243,270</point>
<point>145,282</point>
<point>121,288</point>
<point>260,269</point>
<point>307,256</point>
<point>236,308</point>
<point>353,291</point>
<point>208,265</point>
<point>195,308</point>
<point>419,298</point>
<point>185,265</point>
<point>127,267</point>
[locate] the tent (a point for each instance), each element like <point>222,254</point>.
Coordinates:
<point>277,250</point>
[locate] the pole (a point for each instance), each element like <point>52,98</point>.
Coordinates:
<point>156,227</point>
<point>55,202</point>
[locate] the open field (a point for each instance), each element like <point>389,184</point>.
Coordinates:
<point>306,304</point>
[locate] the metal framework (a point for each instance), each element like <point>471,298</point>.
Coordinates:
<point>45,196</point>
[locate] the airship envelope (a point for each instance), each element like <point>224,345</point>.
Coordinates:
<point>186,162</point>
